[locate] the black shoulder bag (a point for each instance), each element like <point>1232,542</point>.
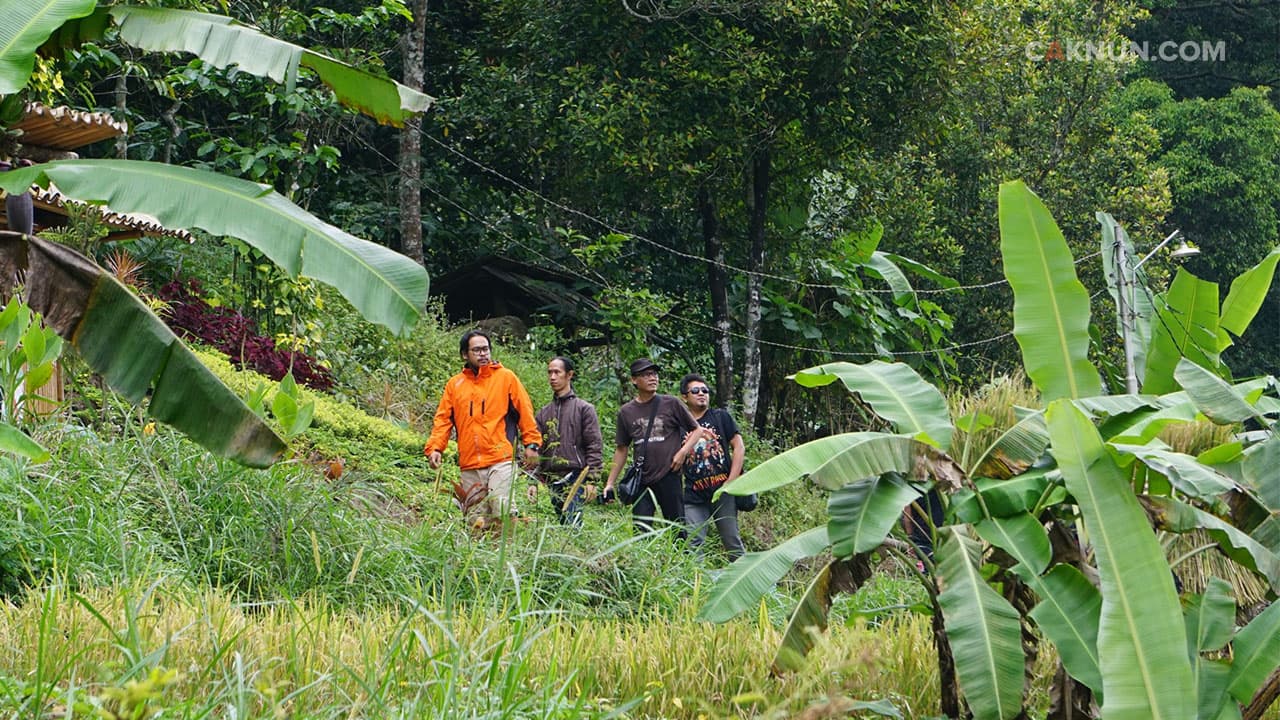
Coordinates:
<point>632,483</point>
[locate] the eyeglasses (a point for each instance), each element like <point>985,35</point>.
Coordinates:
<point>479,350</point>
<point>699,391</point>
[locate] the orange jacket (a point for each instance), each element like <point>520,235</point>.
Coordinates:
<point>486,408</point>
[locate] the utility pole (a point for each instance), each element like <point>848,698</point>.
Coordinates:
<point>1124,297</point>
<point>1125,309</point>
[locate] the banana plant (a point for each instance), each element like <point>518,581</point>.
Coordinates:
<point>1064,503</point>
<point>1186,321</point>
<point>27,26</point>
<point>28,351</point>
<point>118,336</point>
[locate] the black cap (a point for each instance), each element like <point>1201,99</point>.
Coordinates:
<point>641,365</point>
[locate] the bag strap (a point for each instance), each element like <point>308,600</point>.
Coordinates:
<point>653,412</point>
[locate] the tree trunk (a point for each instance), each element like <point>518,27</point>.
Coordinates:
<point>411,139</point>
<point>718,283</point>
<point>761,176</point>
<point>948,685</point>
<point>121,93</point>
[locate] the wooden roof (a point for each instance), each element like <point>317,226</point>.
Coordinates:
<point>61,128</point>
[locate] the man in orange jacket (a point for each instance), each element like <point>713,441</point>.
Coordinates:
<point>489,408</point>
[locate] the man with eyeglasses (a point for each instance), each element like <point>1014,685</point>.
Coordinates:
<point>715,461</point>
<point>489,408</point>
<point>660,429</point>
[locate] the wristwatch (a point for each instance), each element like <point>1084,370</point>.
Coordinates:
<point>533,446</point>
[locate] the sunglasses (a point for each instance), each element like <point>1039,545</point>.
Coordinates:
<point>699,391</point>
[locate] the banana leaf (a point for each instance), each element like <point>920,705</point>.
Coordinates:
<point>1188,328</point>
<point>810,616</point>
<point>1174,516</point>
<point>1213,396</point>
<point>1109,406</point>
<point>1141,638</point>
<point>1258,470</point>
<point>24,27</point>
<point>1185,472</point>
<point>1022,536</point>
<point>1247,293</point>
<point>1137,300</point>
<point>1069,613</point>
<point>895,392</point>
<point>837,460</point>
<point>1005,498</point>
<point>1210,618</point>
<point>216,39</point>
<point>863,513</point>
<point>756,573</point>
<point>880,264</point>
<point>120,338</point>
<point>1069,607</point>
<point>1212,679</point>
<point>1255,654</point>
<point>15,441</point>
<point>385,286</point>
<point>1015,450</point>
<point>983,629</point>
<point>1050,306</point>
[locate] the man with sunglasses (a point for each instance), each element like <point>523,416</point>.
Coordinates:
<point>660,429</point>
<point>715,460</point>
<point>489,408</point>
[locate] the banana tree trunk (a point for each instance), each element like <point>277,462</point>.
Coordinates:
<point>948,686</point>
<point>1265,698</point>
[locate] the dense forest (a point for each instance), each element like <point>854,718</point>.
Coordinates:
<point>750,187</point>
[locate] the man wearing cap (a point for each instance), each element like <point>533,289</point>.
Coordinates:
<point>489,407</point>
<point>664,447</point>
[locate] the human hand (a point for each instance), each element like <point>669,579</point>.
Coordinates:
<point>434,458</point>
<point>677,462</point>
<point>589,492</point>
<point>530,458</point>
<point>532,493</point>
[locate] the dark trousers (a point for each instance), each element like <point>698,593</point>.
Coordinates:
<point>567,513</point>
<point>668,494</point>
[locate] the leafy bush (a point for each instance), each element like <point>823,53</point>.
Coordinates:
<point>237,336</point>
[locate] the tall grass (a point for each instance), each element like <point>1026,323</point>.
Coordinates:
<point>427,659</point>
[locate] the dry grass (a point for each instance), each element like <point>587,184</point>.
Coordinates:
<point>997,400</point>
<point>307,660</point>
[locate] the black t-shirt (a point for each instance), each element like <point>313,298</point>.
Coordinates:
<point>708,464</point>
<point>671,423</point>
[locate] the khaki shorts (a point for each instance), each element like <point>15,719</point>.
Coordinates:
<point>497,479</point>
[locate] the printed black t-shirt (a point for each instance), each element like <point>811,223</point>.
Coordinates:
<point>707,467</point>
